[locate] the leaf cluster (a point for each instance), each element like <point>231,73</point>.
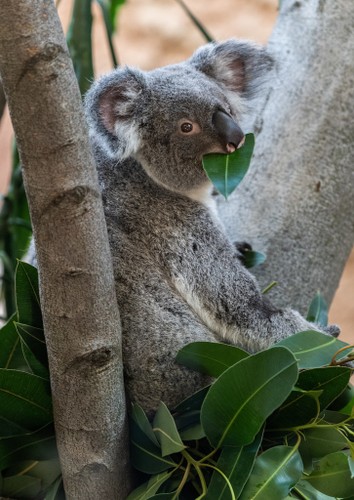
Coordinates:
<point>29,465</point>
<point>276,424</point>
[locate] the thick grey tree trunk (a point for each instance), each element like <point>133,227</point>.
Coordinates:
<point>297,202</point>
<point>77,287</point>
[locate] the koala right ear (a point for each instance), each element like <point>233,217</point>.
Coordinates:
<point>110,107</point>
<point>240,66</point>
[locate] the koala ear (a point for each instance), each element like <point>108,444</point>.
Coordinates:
<point>239,65</point>
<point>110,108</point>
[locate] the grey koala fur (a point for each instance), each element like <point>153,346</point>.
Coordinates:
<point>178,277</point>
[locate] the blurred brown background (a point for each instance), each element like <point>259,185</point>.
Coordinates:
<point>157,32</point>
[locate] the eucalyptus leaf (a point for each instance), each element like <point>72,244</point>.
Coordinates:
<point>10,347</point>
<point>193,402</point>
<point>251,258</point>
<point>331,380</point>
<point>351,466</point>
<point>299,408</point>
<point>27,295</point>
<point>227,171</point>
<point>209,357</point>
<point>140,418</point>
<point>312,349</point>
<point>236,463</point>
<point>320,441</point>
<point>144,454</point>
<point>275,473</point>
<point>332,476</point>
<point>193,432</point>
<point>55,490</point>
<point>148,489</point>
<point>166,431</point>
<point>34,349</point>
<point>38,445</point>
<point>25,399</point>
<point>241,399</point>
<point>318,311</point>
<point>21,487</point>
<point>308,492</point>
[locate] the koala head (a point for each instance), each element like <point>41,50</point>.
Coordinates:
<point>168,118</point>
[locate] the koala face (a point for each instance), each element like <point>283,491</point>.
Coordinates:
<point>168,118</point>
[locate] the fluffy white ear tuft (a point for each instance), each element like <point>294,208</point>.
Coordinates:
<point>111,105</point>
<point>239,65</point>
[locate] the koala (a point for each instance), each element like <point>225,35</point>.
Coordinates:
<point>178,276</point>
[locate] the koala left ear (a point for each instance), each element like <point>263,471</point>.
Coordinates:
<point>238,65</point>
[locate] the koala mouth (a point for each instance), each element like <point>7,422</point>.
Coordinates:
<point>228,131</point>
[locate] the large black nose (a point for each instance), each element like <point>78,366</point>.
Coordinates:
<point>228,131</point>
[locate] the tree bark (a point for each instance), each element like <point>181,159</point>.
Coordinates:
<point>297,202</point>
<point>76,281</point>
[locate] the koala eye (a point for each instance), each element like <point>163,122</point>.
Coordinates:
<point>186,127</point>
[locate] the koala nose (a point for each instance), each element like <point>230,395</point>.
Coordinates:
<point>228,131</point>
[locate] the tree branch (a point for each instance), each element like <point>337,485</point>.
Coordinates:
<point>297,203</point>
<point>76,280</point>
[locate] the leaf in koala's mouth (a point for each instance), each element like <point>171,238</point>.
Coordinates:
<point>226,171</point>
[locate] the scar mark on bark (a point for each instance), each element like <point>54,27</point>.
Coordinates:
<point>72,203</point>
<point>46,54</point>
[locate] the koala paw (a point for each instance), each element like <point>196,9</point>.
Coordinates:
<point>242,247</point>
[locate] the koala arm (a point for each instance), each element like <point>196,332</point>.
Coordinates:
<point>228,300</point>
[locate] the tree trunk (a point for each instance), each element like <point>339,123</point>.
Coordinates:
<point>297,202</point>
<point>77,287</point>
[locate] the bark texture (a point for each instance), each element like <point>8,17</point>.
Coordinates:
<point>77,288</point>
<point>297,202</point>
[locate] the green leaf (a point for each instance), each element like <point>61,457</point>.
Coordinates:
<point>275,473</point>
<point>299,408</point>
<point>25,399</point>
<point>241,399</point>
<point>251,258</point>
<point>320,441</point>
<point>21,487</point>
<point>38,445</point>
<point>10,348</point>
<point>332,476</point>
<point>140,418</point>
<point>145,455</point>
<point>147,490</point>
<point>318,311</point>
<point>236,463</point>
<point>312,349</point>
<point>193,432</point>
<point>80,43</point>
<point>227,171</point>
<point>307,492</point>
<point>351,466</point>
<point>55,491</point>
<point>166,431</point>
<point>331,380</point>
<point>34,349</point>
<point>8,428</point>
<point>210,358</point>
<point>193,402</point>
<point>345,401</point>
<point>187,415</point>
<point>27,295</point>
